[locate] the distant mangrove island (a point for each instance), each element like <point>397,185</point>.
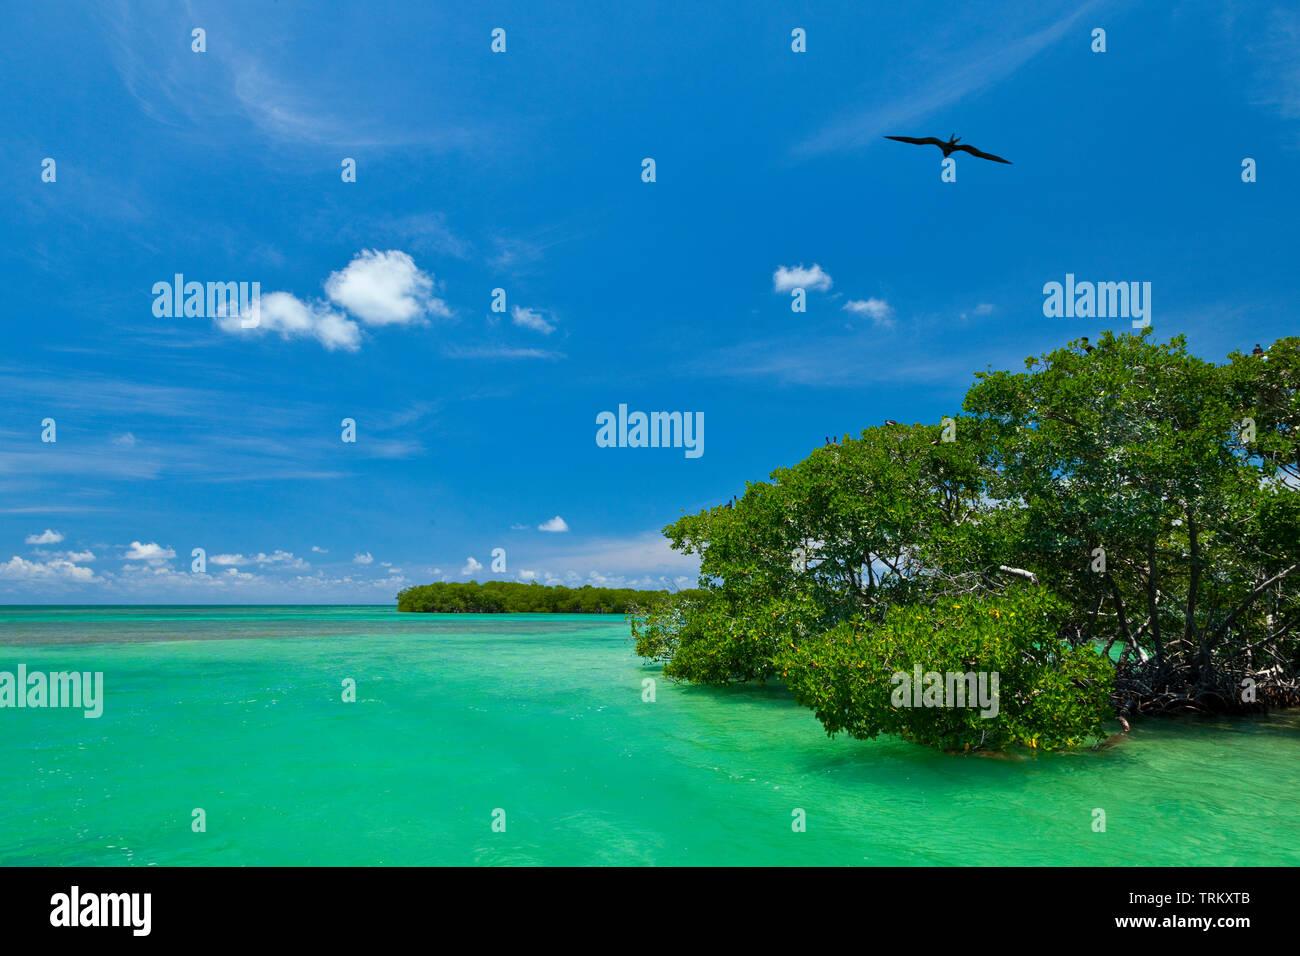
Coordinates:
<point>513,597</point>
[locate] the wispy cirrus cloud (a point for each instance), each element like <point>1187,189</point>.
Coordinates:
<point>501,352</point>
<point>288,110</point>
<point>278,558</point>
<point>249,85</point>
<point>1272,39</point>
<point>835,360</point>
<point>961,72</point>
<point>530,318</point>
<point>644,560</point>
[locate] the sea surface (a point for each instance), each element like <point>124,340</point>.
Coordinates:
<point>540,721</point>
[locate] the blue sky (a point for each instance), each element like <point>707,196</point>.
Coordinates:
<point>522,171</point>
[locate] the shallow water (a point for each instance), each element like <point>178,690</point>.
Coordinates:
<point>238,711</point>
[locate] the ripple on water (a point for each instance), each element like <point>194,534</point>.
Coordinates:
<point>543,717</point>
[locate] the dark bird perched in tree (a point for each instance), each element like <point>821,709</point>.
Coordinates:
<point>1257,350</point>
<point>828,441</point>
<point>949,147</point>
<point>890,421</point>
<point>727,505</point>
<point>1086,346</point>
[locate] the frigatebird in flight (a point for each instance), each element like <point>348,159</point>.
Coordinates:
<point>949,147</point>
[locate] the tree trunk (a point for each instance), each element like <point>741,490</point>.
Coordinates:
<point>1153,607</point>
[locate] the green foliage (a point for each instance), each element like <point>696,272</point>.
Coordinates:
<point>870,514</point>
<point>1182,476</point>
<point>1139,448</point>
<point>1049,695</point>
<point>513,597</point>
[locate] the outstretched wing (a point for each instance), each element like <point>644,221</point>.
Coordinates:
<point>975,152</point>
<point>927,141</point>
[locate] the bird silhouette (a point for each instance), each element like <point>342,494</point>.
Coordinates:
<point>1257,350</point>
<point>949,147</point>
<point>890,421</point>
<point>1086,346</point>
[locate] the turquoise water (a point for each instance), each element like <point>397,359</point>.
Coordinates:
<point>238,711</point>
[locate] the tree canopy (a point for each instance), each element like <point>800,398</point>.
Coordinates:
<point>1149,498</point>
<point>512,597</point>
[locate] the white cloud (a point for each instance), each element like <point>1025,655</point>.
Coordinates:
<point>151,553</point>
<point>985,60</point>
<point>1274,50</point>
<point>152,574</point>
<point>983,308</point>
<point>58,568</point>
<point>126,441</point>
<point>555,524</point>
<point>471,566</point>
<point>45,537</point>
<point>292,318</point>
<point>80,557</point>
<point>519,527</point>
<point>286,558</point>
<point>384,288</point>
<point>531,319</point>
<point>334,331</point>
<point>878,310</point>
<point>379,288</point>
<point>366,558</point>
<point>786,278</point>
<point>319,550</point>
<point>643,556</point>
<point>527,575</point>
<point>499,352</point>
